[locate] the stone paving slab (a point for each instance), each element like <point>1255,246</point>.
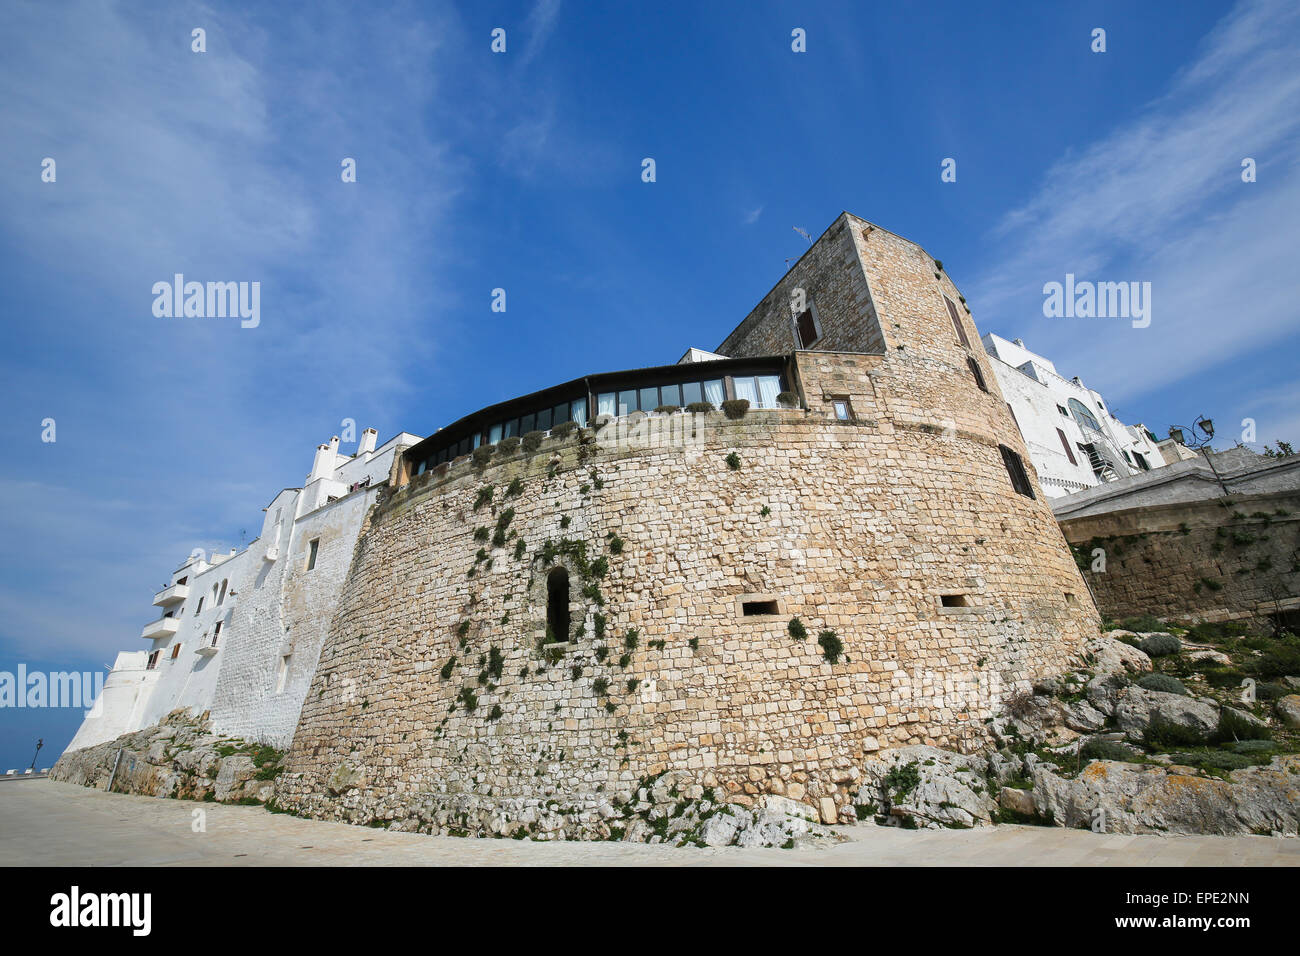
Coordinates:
<point>44,823</point>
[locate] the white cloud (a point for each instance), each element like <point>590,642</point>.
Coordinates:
<point>751,217</point>
<point>540,25</point>
<point>1160,199</point>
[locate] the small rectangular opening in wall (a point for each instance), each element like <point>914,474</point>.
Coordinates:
<point>1069,598</point>
<point>314,547</point>
<point>752,608</point>
<point>953,600</point>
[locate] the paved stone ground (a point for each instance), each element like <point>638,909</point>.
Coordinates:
<point>56,824</point>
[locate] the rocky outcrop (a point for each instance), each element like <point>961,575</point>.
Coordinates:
<point>929,788</point>
<point>669,809</point>
<point>1121,797</point>
<point>180,757</point>
<point>1288,709</point>
<point>1142,713</point>
<point>1110,655</point>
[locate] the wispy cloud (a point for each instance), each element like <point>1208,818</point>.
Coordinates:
<point>751,217</point>
<point>1161,199</point>
<point>539,26</point>
<point>223,165</point>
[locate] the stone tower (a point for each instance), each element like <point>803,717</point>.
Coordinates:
<point>556,620</point>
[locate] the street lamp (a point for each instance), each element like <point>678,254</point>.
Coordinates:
<point>1202,433</point>
<point>1203,425</point>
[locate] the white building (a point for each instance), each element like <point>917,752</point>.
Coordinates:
<point>239,634</point>
<point>1073,439</point>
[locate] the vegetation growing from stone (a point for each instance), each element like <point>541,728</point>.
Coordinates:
<point>733,461</point>
<point>832,646</point>
<point>484,497</point>
<point>482,455</point>
<point>1096,749</point>
<point>787,399</point>
<point>698,408</point>
<point>532,441</point>
<point>1163,683</point>
<point>508,446</point>
<point>796,629</point>
<point>1142,625</point>
<point>563,429</point>
<point>448,667</point>
<point>1160,645</point>
<point>902,780</point>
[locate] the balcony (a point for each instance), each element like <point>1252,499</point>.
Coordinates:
<point>163,627</point>
<point>176,594</point>
<point>207,648</point>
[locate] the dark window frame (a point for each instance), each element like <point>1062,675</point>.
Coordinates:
<point>1065,443</point>
<point>1015,466</point>
<point>956,323</point>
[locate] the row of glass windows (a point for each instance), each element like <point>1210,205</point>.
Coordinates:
<point>760,391</point>
<point>541,421</point>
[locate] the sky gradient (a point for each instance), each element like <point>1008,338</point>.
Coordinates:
<point>522,171</point>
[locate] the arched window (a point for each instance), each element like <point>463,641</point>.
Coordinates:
<point>1083,416</point>
<point>222,598</point>
<point>557,605</point>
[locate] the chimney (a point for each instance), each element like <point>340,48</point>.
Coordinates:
<point>367,444</point>
<point>323,466</point>
<point>1020,342</point>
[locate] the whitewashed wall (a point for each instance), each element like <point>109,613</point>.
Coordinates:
<point>272,606</point>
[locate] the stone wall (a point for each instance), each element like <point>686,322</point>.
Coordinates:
<point>833,284</point>
<point>1217,559</point>
<point>853,527</point>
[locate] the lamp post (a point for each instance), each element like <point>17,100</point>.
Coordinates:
<point>1202,433</point>
<point>39,744</point>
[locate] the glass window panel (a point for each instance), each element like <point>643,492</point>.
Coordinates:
<point>670,395</point>
<point>745,389</point>
<point>527,424</point>
<point>543,420</point>
<point>692,392</point>
<point>606,404</point>
<point>626,402</point>
<point>578,411</point>
<point>649,399</point>
<point>512,428</point>
<point>478,439</point>
<point>560,413</point>
<point>494,435</point>
<point>769,387</point>
<point>713,392</point>
<point>423,465</point>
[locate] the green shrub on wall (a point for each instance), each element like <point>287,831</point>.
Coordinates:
<point>532,441</point>
<point>735,408</point>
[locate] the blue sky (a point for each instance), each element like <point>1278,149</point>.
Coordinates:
<point>522,171</point>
